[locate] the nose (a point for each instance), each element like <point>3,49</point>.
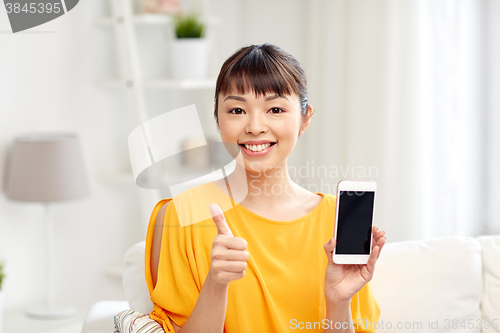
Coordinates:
<point>256,124</point>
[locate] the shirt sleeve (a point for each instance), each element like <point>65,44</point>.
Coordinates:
<point>177,289</point>
<point>365,310</point>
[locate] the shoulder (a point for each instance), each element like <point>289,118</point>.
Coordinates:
<point>313,200</point>
<point>316,201</point>
<point>159,211</point>
<point>329,200</point>
<point>325,203</point>
<point>191,205</point>
<point>329,197</point>
<point>317,198</point>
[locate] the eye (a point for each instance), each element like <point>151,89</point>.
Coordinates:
<point>276,110</point>
<point>236,111</point>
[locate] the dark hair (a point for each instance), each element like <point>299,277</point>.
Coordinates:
<point>262,69</point>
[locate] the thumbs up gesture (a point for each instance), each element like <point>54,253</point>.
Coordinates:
<point>228,256</point>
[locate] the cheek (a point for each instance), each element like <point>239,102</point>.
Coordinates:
<point>227,132</point>
<point>289,129</point>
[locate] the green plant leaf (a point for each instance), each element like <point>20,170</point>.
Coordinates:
<point>189,26</point>
<point>2,275</point>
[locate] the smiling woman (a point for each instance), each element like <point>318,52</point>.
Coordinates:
<point>259,88</point>
<point>242,269</point>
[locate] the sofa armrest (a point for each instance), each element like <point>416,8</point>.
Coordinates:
<point>100,318</point>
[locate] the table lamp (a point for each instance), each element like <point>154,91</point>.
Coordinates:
<point>47,168</point>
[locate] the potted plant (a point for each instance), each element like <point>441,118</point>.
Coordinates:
<point>2,276</point>
<point>189,48</point>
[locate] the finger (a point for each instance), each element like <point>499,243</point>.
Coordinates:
<point>378,235</point>
<point>229,255</point>
<point>381,244</point>
<point>234,243</point>
<point>370,265</point>
<point>237,255</point>
<point>379,239</point>
<point>329,246</point>
<point>234,266</point>
<point>220,220</point>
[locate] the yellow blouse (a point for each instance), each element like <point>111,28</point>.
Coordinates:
<point>283,286</point>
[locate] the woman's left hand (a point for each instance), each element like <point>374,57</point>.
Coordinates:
<point>342,282</point>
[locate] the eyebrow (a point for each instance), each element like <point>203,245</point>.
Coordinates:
<point>269,98</point>
<point>275,96</point>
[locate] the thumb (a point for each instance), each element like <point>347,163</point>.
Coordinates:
<point>220,221</point>
<point>329,246</point>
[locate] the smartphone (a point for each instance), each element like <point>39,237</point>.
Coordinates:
<point>354,221</point>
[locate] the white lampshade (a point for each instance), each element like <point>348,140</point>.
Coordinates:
<point>46,167</point>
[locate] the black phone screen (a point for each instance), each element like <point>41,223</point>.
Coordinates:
<point>354,222</point>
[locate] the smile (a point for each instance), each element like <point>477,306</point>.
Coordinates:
<point>258,150</point>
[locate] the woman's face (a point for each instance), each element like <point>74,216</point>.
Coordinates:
<point>266,127</point>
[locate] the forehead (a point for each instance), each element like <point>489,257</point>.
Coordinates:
<point>246,96</point>
<point>257,86</point>
<point>260,83</point>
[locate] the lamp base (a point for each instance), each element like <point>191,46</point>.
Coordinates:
<point>50,312</point>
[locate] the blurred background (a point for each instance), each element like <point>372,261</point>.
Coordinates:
<point>406,93</point>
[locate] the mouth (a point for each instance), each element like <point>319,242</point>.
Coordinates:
<point>257,148</point>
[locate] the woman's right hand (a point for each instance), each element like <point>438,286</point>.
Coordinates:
<point>228,259</point>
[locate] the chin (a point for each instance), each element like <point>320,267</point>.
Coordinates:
<point>258,167</point>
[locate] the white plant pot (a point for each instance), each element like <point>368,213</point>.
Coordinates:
<point>189,58</point>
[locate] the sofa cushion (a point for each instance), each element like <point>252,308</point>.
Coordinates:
<point>137,322</point>
<point>421,284</point>
<point>491,281</point>
<point>134,280</point>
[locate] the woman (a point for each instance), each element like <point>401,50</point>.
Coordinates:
<point>265,263</point>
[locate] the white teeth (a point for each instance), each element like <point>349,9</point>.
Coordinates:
<point>258,147</point>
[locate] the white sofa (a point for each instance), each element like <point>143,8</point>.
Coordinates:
<point>447,284</point>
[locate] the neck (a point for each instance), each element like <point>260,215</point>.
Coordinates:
<point>265,188</point>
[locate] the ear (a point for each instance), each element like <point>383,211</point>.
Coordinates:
<point>306,120</point>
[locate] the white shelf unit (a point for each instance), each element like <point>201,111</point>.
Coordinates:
<point>124,21</point>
